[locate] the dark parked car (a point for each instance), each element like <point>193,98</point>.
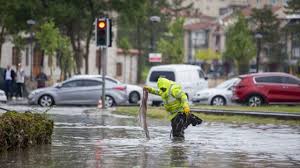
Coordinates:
<point>267,88</point>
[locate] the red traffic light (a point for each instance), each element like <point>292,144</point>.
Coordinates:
<point>101,24</point>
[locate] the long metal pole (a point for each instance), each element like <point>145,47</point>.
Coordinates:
<point>257,55</point>
<point>104,53</point>
<point>31,53</point>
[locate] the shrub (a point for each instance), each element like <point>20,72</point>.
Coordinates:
<point>19,130</point>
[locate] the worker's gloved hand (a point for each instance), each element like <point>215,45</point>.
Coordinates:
<point>186,110</point>
<point>147,88</point>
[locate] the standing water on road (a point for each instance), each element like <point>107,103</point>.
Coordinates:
<point>86,137</point>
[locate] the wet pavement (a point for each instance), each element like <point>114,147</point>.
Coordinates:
<point>87,137</point>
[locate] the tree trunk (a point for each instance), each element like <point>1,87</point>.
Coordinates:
<point>2,40</point>
<point>243,67</point>
<point>76,49</point>
<point>87,49</point>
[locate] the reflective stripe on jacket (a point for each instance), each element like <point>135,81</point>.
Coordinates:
<point>174,98</point>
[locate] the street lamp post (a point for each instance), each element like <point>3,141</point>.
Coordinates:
<point>258,38</point>
<point>31,23</point>
<point>153,19</point>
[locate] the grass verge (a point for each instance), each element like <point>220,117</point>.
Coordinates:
<point>271,108</point>
<point>160,113</point>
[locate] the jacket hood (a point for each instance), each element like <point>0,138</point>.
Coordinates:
<point>163,83</point>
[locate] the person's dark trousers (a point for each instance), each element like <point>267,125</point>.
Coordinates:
<point>180,122</point>
<point>20,91</point>
<point>8,88</point>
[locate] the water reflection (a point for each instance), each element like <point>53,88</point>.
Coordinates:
<point>93,139</point>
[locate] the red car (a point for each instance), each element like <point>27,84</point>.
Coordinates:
<point>267,88</point>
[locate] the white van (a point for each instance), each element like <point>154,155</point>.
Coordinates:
<point>190,77</point>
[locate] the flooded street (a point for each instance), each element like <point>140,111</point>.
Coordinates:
<point>86,137</point>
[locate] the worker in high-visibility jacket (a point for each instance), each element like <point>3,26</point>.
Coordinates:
<point>176,103</point>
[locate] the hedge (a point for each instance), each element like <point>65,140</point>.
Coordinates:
<point>20,130</point>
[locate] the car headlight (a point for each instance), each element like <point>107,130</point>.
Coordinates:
<point>34,93</point>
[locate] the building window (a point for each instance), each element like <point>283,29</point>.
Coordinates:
<point>15,56</point>
<point>273,2</point>
<point>296,52</point>
<point>27,56</point>
<point>119,69</point>
<point>257,3</point>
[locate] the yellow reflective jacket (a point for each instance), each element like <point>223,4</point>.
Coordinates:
<point>174,98</point>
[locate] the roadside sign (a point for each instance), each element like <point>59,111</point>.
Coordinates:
<point>155,57</point>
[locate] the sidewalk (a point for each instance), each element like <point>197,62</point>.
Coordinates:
<point>24,101</point>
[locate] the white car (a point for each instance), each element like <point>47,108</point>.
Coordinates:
<point>219,96</point>
<point>3,97</point>
<point>133,92</point>
<point>190,77</point>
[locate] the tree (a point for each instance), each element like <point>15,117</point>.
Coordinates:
<point>207,55</point>
<point>13,17</point>
<point>239,44</point>
<point>134,23</point>
<point>293,27</point>
<point>266,23</point>
<point>172,49</point>
<point>48,38</point>
<point>293,7</point>
<point>178,6</point>
<point>75,19</point>
<point>126,46</point>
<point>66,62</point>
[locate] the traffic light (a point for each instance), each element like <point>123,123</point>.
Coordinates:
<point>103,32</point>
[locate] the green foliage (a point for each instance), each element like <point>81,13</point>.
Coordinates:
<point>239,44</point>
<point>65,55</point>
<point>125,45</point>
<point>293,6</point>
<point>172,49</point>
<point>48,38</point>
<point>19,130</point>
<point>266,23</point>
<point>207,55</point>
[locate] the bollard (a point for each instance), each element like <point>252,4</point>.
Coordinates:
<point>99,104</point>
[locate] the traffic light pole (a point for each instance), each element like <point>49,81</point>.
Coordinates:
<point>103,39</point>
<point>104,54</point>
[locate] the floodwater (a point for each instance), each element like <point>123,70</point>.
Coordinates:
<point>86,137</point>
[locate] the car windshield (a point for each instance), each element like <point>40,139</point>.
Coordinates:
<point>227,83</point>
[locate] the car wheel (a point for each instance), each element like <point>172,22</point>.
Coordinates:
<point>156,103</point>
<point>46,101</point>
<point>109,101</point>
<point>218,101</point>
<point>134,97</point>
<point>255,100</point>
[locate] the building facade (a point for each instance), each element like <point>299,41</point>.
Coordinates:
<point>119,66</point>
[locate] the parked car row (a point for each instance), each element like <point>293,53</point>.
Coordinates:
<point>254,90</point>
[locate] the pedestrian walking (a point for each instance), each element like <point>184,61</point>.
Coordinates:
<point>176,103</point>
<point>9,77</point>
<point>20,81</point>
<point>41,79</point>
